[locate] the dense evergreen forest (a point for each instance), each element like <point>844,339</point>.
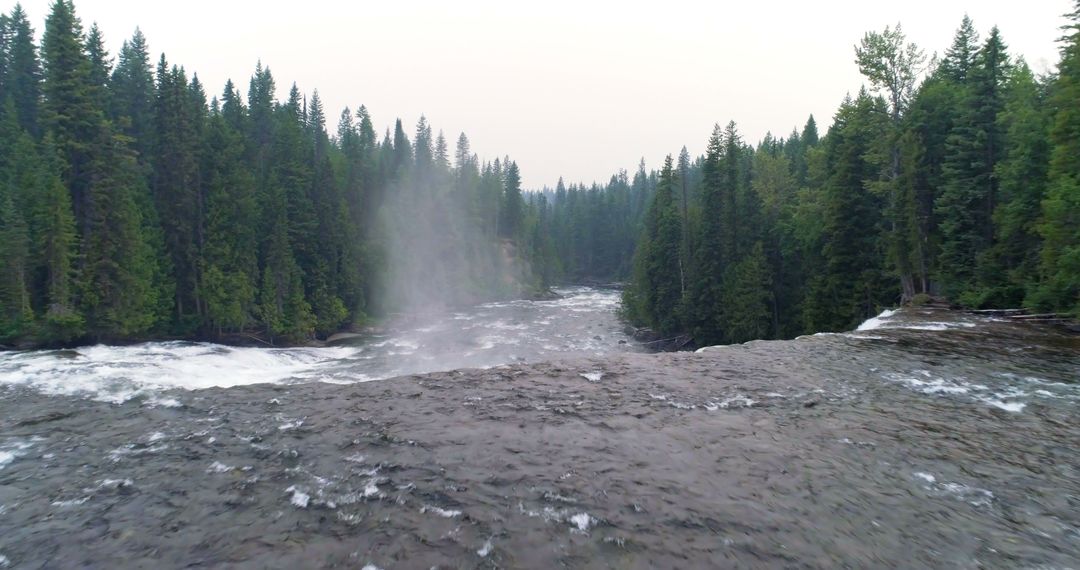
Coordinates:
<point>953,177</point>
<point>131,206</point>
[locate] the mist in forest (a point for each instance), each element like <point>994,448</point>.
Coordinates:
<point>438,230</point>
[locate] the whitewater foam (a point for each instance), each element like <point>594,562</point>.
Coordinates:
<point>878,321</point>
<point>299,498</point>
<point>448,514</point>
<point>117,374</point>
<point>499,333</point>
<point>12,450</point>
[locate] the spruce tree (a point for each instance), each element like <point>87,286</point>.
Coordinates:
<point>133,95</point>
<point>16,316</point>
<point>705,309</point>
<point>1011,268</point>
<point>53,225</point>
<point>512,209</point>
<point>1060,222</point>
<point>851,285</point>
<point>229,272</point>
<point>656,291</point>
<point>117,280</point>
<point>969,193</point>
<point>71,111</point>
<point>22,75</point>
<point>176,187</point>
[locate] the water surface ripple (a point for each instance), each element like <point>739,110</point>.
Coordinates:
<point>926,439</point>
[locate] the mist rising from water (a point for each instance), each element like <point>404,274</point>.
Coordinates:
<point>439,224</point>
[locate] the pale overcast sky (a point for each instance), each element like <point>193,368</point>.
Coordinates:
<point>572,88</point>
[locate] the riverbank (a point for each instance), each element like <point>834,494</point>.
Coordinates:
<point>257,338</point>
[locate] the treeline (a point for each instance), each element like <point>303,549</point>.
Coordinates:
<point>133,207</point>
<point>593,229</point>
<point>963,185</point>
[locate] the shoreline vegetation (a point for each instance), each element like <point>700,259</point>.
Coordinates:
<point>950,179</point>
<point>134,205</point>
<point>257,338</point>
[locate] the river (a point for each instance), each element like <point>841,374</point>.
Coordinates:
<point>583,321</point>
<point>923,439</point>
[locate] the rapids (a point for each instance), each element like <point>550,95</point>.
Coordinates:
<point>583,321</point>
<point>923,439</point>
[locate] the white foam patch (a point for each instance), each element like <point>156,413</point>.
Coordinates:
<point>935,385</point>
<point>878,321</point>
<point>218,467</point>
<point>731,403</point>
<point>119,373</point>
<point>925,476</point>
<point>449,514</point>
<point>291,425</point>
<point>582,521</point>
<point>371,489</point>
<point>1014,407</point>
<point>70,503</point>
<point>12,450</point>
<point>885,321</point>
<point>132,450</point>
<point>971,495</point>
<point>114,484</point>
<point>155,402</point>
<point>1007,398</point>
<point>299,498</point>
<point>592,376</point>
<point>485,549</point>
<point>4,561</point>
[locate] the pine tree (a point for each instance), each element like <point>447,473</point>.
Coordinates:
<point>16,316</point>
<point>100,65</point>
<point>746,298</point>
<point>1060,223</point>
<point>851,286</point>
<point>705,309</point>
<point>22,76</point>
<point>656,293</point>
<point>1012,267</point>
<point>969,194</point>
<point>53,225</point>
<point>512,209</point>
<point>229,273</point>
<point>176,187</point>
<point>960,57</point>
<point>71,111</point>
<point>132,101</point>
<point>117,281</point>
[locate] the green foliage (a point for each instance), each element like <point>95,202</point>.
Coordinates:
<point>891,64</point>
<point>132,207</point>
<point>1059,225</point>
<point>746,299</point>
<point>15,313</point>
<point>118,293</point>
<point>656,292</point>
<point>970,188</point>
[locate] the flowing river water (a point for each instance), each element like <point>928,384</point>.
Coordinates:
<point>536,434</point>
